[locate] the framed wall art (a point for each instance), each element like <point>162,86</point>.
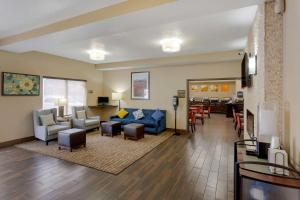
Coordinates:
<point>15,84</point>
<point>140,85</point>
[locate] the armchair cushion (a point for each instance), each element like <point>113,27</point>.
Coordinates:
<point>81,114</point>
<point>54,129</point>
<point>47,120</point>
<point>91,122</point>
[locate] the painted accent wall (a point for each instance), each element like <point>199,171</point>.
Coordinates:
<point>16,112</point>
<point>164,83</point>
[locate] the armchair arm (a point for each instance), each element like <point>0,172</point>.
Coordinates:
<point>40,132</point>
<point>95,117</point>
<point>68,124</point>
<point>79,123</point>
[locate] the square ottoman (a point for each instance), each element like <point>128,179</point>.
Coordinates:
<point>111,128</point>
<point>71,138</point>
<point>134,131</point>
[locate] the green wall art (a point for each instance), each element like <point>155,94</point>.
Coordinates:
<point>15,84</point>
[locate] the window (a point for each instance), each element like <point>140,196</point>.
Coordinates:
<point>73,91</point>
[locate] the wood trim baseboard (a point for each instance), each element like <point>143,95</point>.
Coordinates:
<point>181,131</point>
<point>16,141</point>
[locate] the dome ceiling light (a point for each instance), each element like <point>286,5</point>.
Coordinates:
<point>97,54</point>
<point>171,45</point>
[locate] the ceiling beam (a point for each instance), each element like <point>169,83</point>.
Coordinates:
<point>87,18</point>
<point>184,60</point>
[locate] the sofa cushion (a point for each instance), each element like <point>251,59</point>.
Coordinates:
<point>147,123</point>
<point>91,122</point>
<point>157,115</point>
<point>138,114</point>
<point>122,121</point>
<point>47,120</point>
<point>54,129</point>
<point>122,113</point>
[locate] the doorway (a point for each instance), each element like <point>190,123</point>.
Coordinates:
<point>208,97</point>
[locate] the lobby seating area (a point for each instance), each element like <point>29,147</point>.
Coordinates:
<point>152,126</point>
<point>149,100</point>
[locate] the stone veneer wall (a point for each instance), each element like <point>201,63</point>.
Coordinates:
<point>266,41</point>
<point>256,45</point>
<point>274,62</point>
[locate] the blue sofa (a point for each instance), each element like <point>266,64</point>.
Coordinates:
<point>151,126</point>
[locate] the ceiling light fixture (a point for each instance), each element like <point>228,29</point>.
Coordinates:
<point>171,45</point>
<point>96,54</point>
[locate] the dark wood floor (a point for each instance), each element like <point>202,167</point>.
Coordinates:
<point>194,166</point>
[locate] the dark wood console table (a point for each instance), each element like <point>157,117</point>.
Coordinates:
<point>253,174</point>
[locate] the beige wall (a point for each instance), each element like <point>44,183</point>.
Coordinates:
<point>291,72</point>
<point>16,112</point>
<point>164,83</point>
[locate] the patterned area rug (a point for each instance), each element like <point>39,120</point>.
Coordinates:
<point>112,155</point>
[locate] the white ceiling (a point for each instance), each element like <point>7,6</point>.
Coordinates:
<point>18,16</point>
<point>204,26</point>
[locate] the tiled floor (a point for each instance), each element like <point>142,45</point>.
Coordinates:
<point>194,166</point>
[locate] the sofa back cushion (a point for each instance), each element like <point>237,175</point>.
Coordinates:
<point>138,114</point>
<point>122,113</point>
<point>157,115</point>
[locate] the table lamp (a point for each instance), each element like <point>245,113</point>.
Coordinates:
<point>61,103</point>
<point>117,96</point>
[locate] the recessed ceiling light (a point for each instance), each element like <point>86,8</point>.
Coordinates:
<point>171,45</point>
<point>97,54</point>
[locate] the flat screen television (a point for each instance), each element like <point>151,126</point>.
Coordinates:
<point>245,77</point>
<point>103,100</point>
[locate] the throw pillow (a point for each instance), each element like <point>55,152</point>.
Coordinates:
<point>122,113</point>
<point>138,114</point>
<point>47,120</point>
<point>81,114</point>
<point>157,115</point>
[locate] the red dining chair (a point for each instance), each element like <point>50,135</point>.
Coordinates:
<point>234,118</point>
<point>192,121</point>
<point>240,125</point>
<point>207,110</point>
<point>200,113</point>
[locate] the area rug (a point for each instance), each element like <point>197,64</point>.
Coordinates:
<point>112,155</point>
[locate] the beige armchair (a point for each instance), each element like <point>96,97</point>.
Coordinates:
<point>88,123</point>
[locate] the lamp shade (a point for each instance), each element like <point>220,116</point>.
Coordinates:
<point>267,122</point>
<point>116,96</point>
<point>61,102</point>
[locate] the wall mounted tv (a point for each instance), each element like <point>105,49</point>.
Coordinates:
<point>103,100</point>
<point>246,78</point>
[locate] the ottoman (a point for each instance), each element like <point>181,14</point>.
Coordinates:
<point>110,128</point>
<point>134,131</point>
<point>71,138</point>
